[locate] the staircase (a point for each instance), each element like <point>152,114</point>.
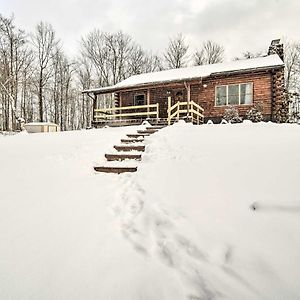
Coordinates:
<point>131,149</point>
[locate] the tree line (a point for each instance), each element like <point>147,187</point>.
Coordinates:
<point>40,82</point>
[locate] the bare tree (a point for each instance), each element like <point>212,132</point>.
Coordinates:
<point>249,55</point>
<point>7,31</point>
<point>292,66</point>
<point>84,79</point>
<point>136,61</point>
<point>176,53</point>
<point>209,53</point>
<point>44,43</point>
<point>62,99</point>
<point>153,63</point>
<point>27,84</point>
<point>143,62</point>
<point>120,47</point>
<point>93,47</point>
<point>110,54</point>
<point>13,60</point>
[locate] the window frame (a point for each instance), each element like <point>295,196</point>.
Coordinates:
<point>227,85</point>
<point>134,99</point>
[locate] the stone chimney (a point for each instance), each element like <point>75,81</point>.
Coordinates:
<point>276,47</point>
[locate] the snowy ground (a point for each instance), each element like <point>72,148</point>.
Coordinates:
<point>180,228</point>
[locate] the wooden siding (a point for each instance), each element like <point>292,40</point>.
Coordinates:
<point>203,93</point>
<point>262,94</point>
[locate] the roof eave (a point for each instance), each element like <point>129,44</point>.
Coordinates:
<point>113,89</point>
<point>251,70</point>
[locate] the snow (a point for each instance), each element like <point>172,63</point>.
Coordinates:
<point>139,143</point>
<point>195,72</point>
<point>40,123</point>
<point>182,227</point>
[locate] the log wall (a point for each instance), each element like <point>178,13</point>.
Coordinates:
<point>268,92</point>
<point>262,94</point>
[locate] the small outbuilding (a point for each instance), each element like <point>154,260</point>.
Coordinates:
<point>36,127</point>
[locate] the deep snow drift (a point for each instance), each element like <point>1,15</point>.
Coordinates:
<point>182,227</point>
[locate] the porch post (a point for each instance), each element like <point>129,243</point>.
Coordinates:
<point>120,99</point>
<point>94,99</point>
<point>120,103</point>
<point>188,100</point>
<point>148,101</point>
<point>169,110</point>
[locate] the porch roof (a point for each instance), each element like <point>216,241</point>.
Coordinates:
<point>190,73</point>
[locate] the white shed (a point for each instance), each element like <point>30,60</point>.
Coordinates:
<point>36,127</point>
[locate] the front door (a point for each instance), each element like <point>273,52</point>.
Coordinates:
<point>178,97</point>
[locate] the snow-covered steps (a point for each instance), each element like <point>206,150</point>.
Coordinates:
<point>137,135</point>
<point>114,169</point>
<point>156,127</point>
<point>130,148</point>
<point>125,157</point>
<point>129,141</point>
<point>117,167</point>
<point>147,131</point>
<point>118,157</point>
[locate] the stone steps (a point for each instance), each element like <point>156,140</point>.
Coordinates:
<point>137,135</point>
<point>129,141</point>
<point>156,127</point>
<point>129,145</point>
<point>116,170</point>
<point>120,157</point>
<point>148,131</point>
<point>130,148</point>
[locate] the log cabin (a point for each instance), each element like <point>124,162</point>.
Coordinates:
<point>197,94</point>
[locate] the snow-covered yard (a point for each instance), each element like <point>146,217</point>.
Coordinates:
<point>182,227</point>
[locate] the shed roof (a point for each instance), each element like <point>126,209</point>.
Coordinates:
<point>41,124</point>
<point>190,73</point>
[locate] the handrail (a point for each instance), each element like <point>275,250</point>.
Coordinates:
<point>127,114</point>
<point>197,105</point>
<point>111,113</point>
<point>190,109</point>
<point>126,107</point>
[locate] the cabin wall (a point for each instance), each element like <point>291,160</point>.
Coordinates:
<point>157,95</point>
<point>127,98</point>
<point>203,93</point>
<point>262,94</point>
<point>160,95</point>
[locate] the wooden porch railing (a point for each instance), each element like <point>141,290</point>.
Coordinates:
<point>125,112</point>
<point>180,110</point>
<point>189,110</point>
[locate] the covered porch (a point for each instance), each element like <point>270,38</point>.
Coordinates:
<point>158,105</point>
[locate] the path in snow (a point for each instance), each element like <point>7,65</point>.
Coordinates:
<point>156,232</point>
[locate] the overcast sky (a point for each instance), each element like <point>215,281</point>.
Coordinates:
<point>238,25</point>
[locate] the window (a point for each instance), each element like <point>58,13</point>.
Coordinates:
<point>246,93</point>
<point>221,95</point>
<point>234,94</point>
<point>139,99</point>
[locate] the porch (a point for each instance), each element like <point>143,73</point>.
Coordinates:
<point>134,115</point>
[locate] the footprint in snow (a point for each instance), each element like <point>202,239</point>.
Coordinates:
<point>155,232</point>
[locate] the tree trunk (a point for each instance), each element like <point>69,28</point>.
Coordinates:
<point>41,112</point>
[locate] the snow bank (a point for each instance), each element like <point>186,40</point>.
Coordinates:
<point>182,227</point>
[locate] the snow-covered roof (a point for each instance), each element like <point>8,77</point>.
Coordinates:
<point>41,123</point>
<point>189,73</point>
